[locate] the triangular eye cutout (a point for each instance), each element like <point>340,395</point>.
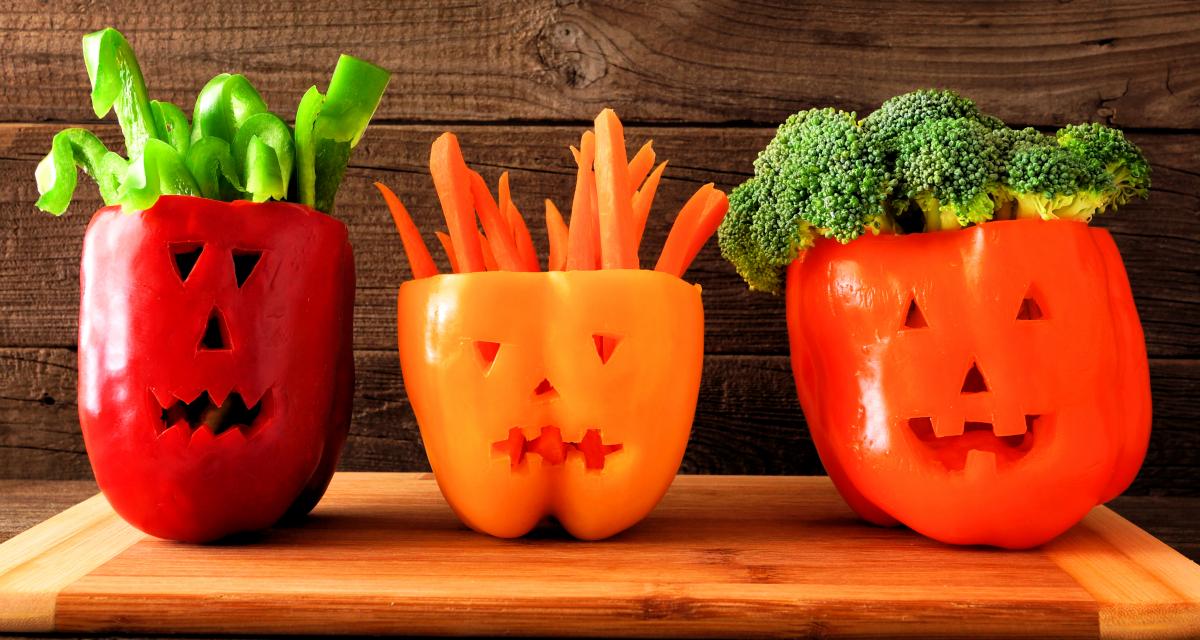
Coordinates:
<point>186,255</point>
<point>243,265</point>
<point>216,337</point>
<point>913,318</point>
<point>605,345</point>
<point>1030,309</point>
<point>487,353</point>
<point>973,382</point>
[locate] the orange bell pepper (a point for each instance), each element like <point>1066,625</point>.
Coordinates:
<point>566,394</point>
<point>983,386</point>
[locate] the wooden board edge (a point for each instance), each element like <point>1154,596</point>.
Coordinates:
<point>37,564</point>
<point>1145,588</point>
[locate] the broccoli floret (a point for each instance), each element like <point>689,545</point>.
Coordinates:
<point>1009,140</point>
<point>1121,159</point>
<point>950,168</point>
<point>826,170</point>
<point>1050,182</point>
<point>759,236</point>
<point>901,114</point>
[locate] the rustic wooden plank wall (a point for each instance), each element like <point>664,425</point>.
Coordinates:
<point>707,80</point>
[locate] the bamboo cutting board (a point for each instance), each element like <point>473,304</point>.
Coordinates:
<point>721,556</point>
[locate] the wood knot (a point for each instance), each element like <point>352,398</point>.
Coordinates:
<point>570,54</point>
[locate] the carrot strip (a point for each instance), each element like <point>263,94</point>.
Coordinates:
<point>642,200</point>
<point>419,260</point>
<point>641,164</point>
<point>448,247</point>
<point>452,179</point>
<point>614,198</point>
<point>516,222</point>
<point>495,226</point>
<point>556,233</point>
<point>489,258</point>
<point>675,249</point>
<point>582,237</point>
<point>706,225</point>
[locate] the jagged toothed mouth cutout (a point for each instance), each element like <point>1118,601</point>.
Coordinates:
<point>954,451</point>
<point>550,447</point>
<point>232,414</point>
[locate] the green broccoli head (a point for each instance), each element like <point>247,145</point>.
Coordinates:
<point>950,168</point>
<point>823,168</point>
<point>925,161</point>
<point>1121,159</point>
<point>1045,180</point>
<point>762,233</point>
<point>901,114</point>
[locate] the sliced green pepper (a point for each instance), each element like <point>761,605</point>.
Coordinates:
<point>117,84</point>
<point>57,176</point>
<point>160,170</point>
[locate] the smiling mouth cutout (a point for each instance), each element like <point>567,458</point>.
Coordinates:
<point>204,413</point>
<point>954,451</point>
<point>550,446</point>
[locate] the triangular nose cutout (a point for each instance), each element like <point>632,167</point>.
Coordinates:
<point>216,336</point>
<point>913,318</point>
<point>973,382</point>
<point>545,389</point>
<point>487,353</point>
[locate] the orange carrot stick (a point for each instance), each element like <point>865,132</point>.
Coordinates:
<point>489,258</point>
<point>452,179</point>
<point>419,260</point>
<point>675,249</point>
<point>582,237</point>
<point>705,226</point>
<point>448,247</point>
<point>495,226</point>
<point>520,233</point>
<point>556,232</point>
<point>614,197</point>
<point>642,200</point>
<point>641,164</point>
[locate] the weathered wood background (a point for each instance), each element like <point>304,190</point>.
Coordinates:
<point>707,80</point>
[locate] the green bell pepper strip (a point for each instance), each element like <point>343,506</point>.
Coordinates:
<point>216,172</point>
<point>160,170</point>
<point>56,173</point>
<point>305,189</point>
<point>223,105</point>
<point>329,126</point>
<point>264,150</point>
<point>171,125</point>
<point>117,85</point>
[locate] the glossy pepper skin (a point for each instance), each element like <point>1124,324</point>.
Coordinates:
<point>566,394</point>
<point>274,336</point>
<point>1055,417</point>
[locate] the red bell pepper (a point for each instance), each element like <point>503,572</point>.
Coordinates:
<point>215,361</point>
<point>983,386</point>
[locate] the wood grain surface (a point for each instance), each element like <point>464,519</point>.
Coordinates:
<point>717,61</point>
<point>705,80</point>
<point>721,556</point>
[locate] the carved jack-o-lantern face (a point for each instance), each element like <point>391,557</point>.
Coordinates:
<point>565,394</point>
<point>982,386</point>
<point>215,361</point>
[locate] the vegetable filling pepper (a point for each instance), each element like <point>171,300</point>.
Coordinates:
<point>215,356</point>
